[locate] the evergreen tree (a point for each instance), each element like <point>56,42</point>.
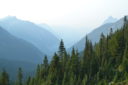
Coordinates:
<point>28,81</point>
<point>44,68</point>
<point>125,59</point>
<point>61,49</point>
<point>84,81</point>
<point>55,70</point>
<point>4,78</point>
<point>65,79</point>
<point>111,32</point>
<point>125,19</point>
<point>45,62</point>
<point>105,63</point>
<point>88,51</point>
<point>72,79</point>
<point>19,77</point>
<point>74,63</point>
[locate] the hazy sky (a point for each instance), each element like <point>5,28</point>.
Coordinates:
<point>77,14</point>
<point>72,13</point>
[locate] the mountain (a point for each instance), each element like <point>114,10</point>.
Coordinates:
<point>15,53</point>
<point>110,19</point>
<point>94,36</point>
<point>47,27</point>
<point>13,48</point>
<point>41,38</point>
<point>105,63</point>
<point>12,66</point>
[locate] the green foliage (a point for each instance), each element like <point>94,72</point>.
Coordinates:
<point>4,78</point>
<point>105,63</point>
<point>61,49</point>
<point>19,77</point>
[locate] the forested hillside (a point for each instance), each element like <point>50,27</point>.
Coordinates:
<point>105,63</point>
<point>94,36</point>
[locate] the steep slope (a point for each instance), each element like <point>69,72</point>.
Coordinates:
<point>94,36</point>
<point>12,48</point>
<point>47,27</point>
<point>12,66</point>
<point>110,19</point>
<point>41,38</point>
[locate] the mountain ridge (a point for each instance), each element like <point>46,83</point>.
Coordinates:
<point>94,36</point>
<point>32,33</point>
<point>15,47</point>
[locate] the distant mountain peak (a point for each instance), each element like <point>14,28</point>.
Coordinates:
<point>31,33</point>
<point>10,17</point>
<point>110,19</point>
<point>94,36</point>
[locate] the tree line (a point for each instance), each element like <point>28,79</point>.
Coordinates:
<point>104,63</point>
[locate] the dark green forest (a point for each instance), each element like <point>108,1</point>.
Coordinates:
<point>105,63</point>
